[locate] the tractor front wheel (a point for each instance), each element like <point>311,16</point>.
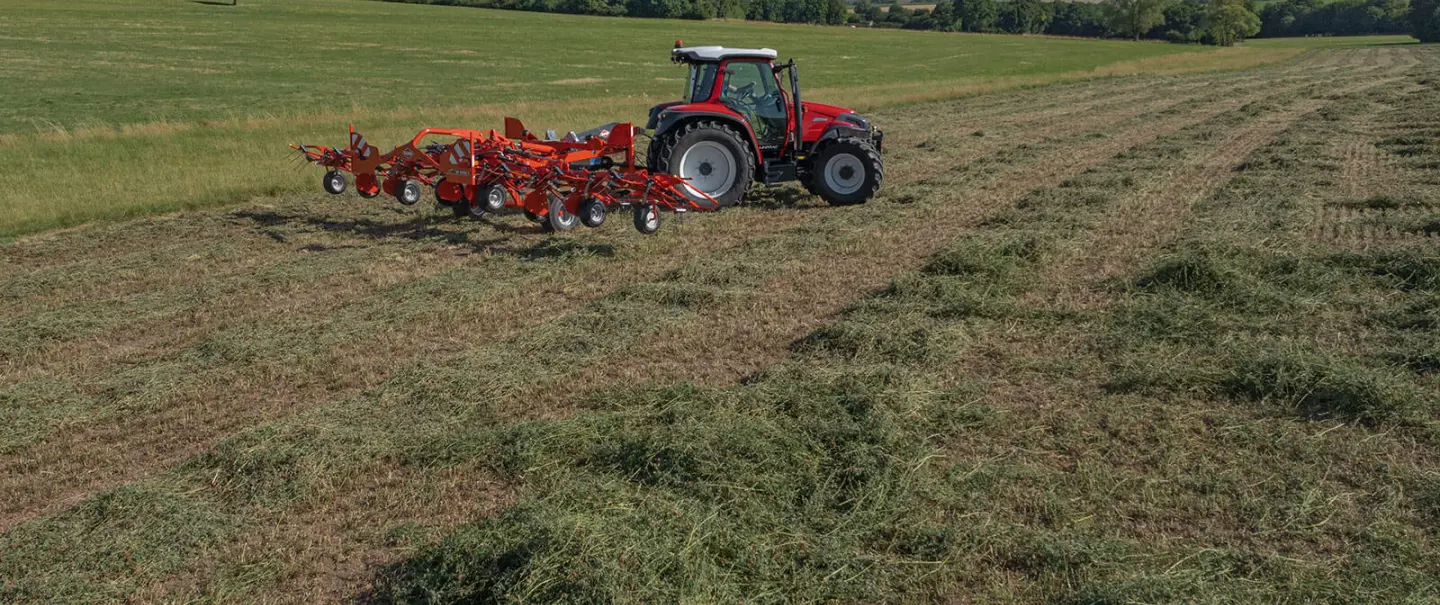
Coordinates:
<point>713,157</point>
<point>845,172</point>
<point>407,192</point>
<point>334,182</point>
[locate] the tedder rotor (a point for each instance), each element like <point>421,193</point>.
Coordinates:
<point>735,125</point>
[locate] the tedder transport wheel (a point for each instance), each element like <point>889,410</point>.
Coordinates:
<point>716,159</point>
<point>492,197</point>
<point>407,192</point>
<point>592,213</point>
<point>647,219</point>
<point>559,219</point>
<point>845,172</point>
<point>334,182</point>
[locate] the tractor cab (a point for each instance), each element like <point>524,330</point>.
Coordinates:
<point>738,121</point>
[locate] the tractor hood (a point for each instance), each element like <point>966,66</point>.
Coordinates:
<point>816,110</point>
<point>820,114</point>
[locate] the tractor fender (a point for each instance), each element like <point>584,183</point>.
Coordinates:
<point>836,130</point>
<point>663,119</point>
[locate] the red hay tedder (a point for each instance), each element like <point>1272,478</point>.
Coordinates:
<point>735,122</point>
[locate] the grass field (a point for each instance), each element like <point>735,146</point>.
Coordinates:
<point>119,108</point>
<point>1155,338</point>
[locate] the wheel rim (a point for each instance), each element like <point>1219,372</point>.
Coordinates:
<point>565,219</point>
<point>595,212</point>
<point>335,182</point>
<point>494,198</point>
<point>709,168</point>
<point>652,218</point>
<point>844,174</point>
<point>409,194</point>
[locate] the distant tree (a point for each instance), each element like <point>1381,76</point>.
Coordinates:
<point>977,15</point>
<point>943,16</point>
<point>897,13</point>
<point>1229,21</point>
<point>1425,18</point>
<point>867,11</point>
<point>1025,16</point>
<point>1077,19</point>
<point>1133,18</point>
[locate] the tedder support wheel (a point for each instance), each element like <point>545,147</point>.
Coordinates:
<point>407,192</point>
<point>714,157</point>
<point>559,218</point>
<point>535,218</point>
<point>334,182</point>
<point>845,171</point>
<point>592,213</point>
<point>647,219</point>
<point>492,198</point>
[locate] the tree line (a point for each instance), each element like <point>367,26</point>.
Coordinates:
<point>1219,22</point>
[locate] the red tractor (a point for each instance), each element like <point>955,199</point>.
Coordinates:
<point>737,124</point>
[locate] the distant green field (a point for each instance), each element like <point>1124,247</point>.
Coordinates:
<point>117,108</point>
<point>77,63</point>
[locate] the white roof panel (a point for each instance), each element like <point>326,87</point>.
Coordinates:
<point>720,53</point>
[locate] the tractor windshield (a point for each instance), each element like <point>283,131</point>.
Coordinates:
<point>701,82</point>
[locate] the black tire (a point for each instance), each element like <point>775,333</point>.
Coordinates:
<point>647,219</point>
<point>845,171</point>
<point>492,198</point>
<point>408,192</point>
<point>457,206</point>
<point>463,207</point>
<point>558,218</point>
<point>667,152</point>
<point>333,182</point>
<point>535,218</point>
<point>592,213</point>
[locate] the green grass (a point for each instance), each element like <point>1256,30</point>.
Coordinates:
<point>123,108</point>
<point>112,62</point>
<point>1244,411</point>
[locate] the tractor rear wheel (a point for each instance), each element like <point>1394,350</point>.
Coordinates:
<point>845,172</point>
<point>716,159</point>
<point>407,192</point>
<point>334,182</point>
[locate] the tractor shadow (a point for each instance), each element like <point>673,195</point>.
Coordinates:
<point>781,198</point>
<point>212,3</point>
<point>437,229</point>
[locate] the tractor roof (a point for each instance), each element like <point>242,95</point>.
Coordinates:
<point>709,54</point>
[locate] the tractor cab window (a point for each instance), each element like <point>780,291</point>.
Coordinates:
<point>751,90</point>
<point>701,82</point>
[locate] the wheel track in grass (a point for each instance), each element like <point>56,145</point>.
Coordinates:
<point>1143,221</point>
<point>342,545</point>
<point>835,287</point>
<point>151,442</point>
<point>907,248</point>
<point>169,338</point>
<point>240,267</point>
